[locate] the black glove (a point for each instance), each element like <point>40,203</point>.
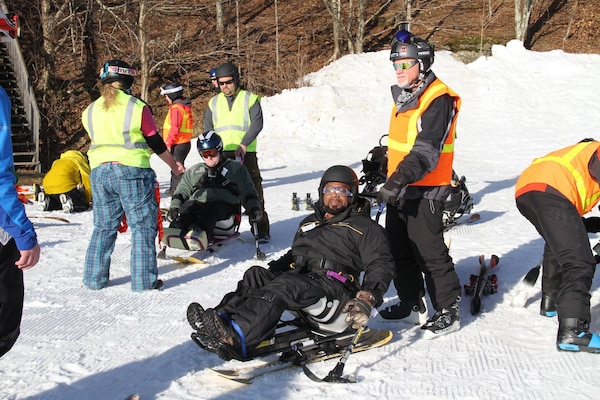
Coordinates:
<point>389,192</point>
<point>359,309</point>
<point>255,214</point>
<point>592,224</point>
<point>173,214</point>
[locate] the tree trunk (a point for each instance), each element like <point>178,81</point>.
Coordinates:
<point>522,15</point>
<point>276,38</point>
<point>220,23</point>
<point>144,67</point>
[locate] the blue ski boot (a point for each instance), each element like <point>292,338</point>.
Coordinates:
<point>574,335</point>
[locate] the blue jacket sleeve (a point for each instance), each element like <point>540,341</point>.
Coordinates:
<point>12,212</point>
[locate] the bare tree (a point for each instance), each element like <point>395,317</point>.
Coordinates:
<point>349,24</point>
<point>276,36</point>
<point>55,18</point>
<point>220,22</point>
<point>522,15</point>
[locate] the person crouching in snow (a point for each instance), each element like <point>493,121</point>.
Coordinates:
<point>335,244</point>
<point>554,193</point>
<point>66,186</point>
<point>212,190</point>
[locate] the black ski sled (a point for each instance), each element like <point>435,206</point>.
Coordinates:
<point>319,329</point>
<point>374,168</point>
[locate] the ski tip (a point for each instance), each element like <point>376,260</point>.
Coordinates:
<point>494,260</point>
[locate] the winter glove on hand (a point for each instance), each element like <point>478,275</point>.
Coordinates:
<point>173,214</point>
<point>255,215</point>
<point>592,224</point>
<point>359,309</point>
<point>389,192</point>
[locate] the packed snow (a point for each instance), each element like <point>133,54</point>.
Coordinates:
<point>517,105</point>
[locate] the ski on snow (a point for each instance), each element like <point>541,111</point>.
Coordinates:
<point>370,339</point>
<point>468,220</point>
<point>484,283</point>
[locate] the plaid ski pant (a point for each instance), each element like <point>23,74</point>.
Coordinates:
<point>117,190</point>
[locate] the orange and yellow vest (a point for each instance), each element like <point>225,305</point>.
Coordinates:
<point>404,130</point>
<point>567,171</point>
<point>184,135</point>
<point>232,124</point>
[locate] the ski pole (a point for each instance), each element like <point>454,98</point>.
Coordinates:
<point>532,275</point>
<point>259,254</point>
<point>379,211</point>
<point>335,375</point>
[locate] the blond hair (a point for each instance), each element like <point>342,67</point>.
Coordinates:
<point>109,92</point>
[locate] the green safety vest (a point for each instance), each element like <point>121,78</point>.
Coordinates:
<point>116,133</point>
<point>232,125</point>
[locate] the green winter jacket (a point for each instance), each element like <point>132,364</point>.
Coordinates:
<point>232,184</point>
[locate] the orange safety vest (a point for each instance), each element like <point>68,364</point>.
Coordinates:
<point>404,128</point>
<point>567,171</point>
<point>187,124</point>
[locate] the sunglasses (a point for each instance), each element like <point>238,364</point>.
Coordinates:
<point>209,153</point>
<point>340,191</point>
<point>229,82</point>
<point>404,64</point>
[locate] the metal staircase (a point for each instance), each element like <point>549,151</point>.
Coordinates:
<point>25,115</point>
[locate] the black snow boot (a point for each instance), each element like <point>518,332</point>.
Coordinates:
<point>547,305</point>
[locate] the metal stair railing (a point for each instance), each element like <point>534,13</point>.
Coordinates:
<point>32,112</point>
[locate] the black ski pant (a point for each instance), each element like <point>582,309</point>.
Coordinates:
<point>203,216</point>
<point>568,260</point>
<point>416,233</point>
<point>262,296</point>
<point>179,153</point>
<point>251,164</point>
<point>77,197</point>
<point>11,296</point>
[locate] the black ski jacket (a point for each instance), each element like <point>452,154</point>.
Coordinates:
<point>351,242</point>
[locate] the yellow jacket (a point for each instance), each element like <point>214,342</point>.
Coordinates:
<point>67,173</point>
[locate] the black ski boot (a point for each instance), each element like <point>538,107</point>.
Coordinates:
<point>194,316</point>
<point>412,312</point>
<point>574,335</point>
<point>547,306</point>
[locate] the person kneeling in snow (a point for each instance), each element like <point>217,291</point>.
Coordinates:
<point>66,186</point>
<point>333,245</point>
<point>212,190</point>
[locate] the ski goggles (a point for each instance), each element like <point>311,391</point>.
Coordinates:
<point>404,64</point>
<point>210,153</point>
<point>340,191</point>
